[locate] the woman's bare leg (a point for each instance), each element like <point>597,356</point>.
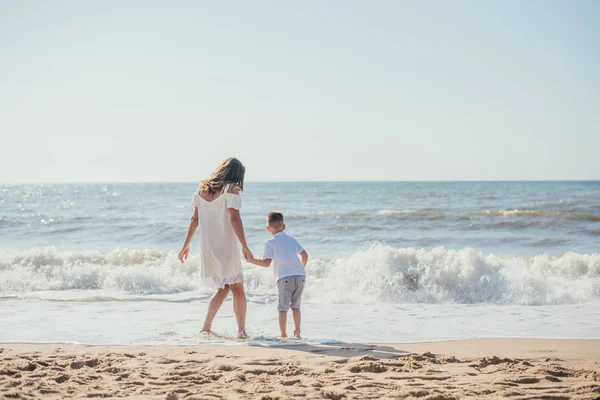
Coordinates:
<point>214,305</point>
<point>239,307</point>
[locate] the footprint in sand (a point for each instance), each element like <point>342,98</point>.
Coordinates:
<point>332,395</point>
<point>558,374</point>
<point>290,382</point>
<point>48,391</point>
<point>159,383</point>
<point>62,378</point>
<point>29,367</point>
<point>367,364</point>
<point>168,361</point>
<point>526,380</point>
<point>92,362</point>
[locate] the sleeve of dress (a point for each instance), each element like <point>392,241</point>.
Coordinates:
<point>234,201</point>
<point>195,199</point>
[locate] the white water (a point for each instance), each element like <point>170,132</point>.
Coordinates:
<point>379,274</point>
<point>377,294</point>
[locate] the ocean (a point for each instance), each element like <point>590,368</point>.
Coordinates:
<point>390,262</point>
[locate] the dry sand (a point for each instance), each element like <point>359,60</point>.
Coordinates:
<point>486,368</point>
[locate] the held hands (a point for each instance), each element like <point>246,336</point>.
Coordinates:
<point>247,253</point>
<point>183,254</point>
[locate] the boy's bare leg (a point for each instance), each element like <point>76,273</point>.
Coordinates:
<point>297,319</point>
<point>283,323</point>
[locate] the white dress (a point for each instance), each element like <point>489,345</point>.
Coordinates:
<point>220,257</point>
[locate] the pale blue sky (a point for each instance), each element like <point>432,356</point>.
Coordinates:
<point>299,90</point>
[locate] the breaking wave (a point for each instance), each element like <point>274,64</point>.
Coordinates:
<point>373,274</point>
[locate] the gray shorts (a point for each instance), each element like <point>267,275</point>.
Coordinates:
<point>290,291</point>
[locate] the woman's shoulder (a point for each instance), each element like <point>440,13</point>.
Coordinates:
<point>233,189</point>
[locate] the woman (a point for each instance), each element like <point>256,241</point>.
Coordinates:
<point>217,206</point>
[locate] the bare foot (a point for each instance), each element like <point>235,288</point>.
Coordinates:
<point>283,336</point>
<point>297,335</point>
<point>242,334</point>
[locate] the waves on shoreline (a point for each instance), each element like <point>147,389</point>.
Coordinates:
<point>372,274</point>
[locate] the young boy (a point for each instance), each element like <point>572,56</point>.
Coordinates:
<point>289,269</point>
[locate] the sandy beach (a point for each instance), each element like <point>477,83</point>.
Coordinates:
<point>484,368</point>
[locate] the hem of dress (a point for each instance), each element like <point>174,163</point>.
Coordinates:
<point>220,283</point>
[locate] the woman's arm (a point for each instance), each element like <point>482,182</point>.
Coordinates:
<point>185,251</point>
<point>238,228</point>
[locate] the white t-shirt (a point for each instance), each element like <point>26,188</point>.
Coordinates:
<point>283,250</point>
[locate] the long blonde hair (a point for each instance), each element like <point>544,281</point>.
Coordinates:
<point>230,171</point>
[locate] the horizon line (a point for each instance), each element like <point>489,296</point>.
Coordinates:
<point>309,181</point>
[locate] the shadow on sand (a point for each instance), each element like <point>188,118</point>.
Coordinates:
<point>340,349</point>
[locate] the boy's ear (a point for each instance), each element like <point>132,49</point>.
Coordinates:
<point>283,229</point>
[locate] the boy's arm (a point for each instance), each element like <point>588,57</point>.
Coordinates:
<point>261,263</point>
<point>267,258</point>
<point>303,254</point>
<point>304,257</point>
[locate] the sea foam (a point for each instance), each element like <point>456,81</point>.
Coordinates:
<point>373,274</point>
